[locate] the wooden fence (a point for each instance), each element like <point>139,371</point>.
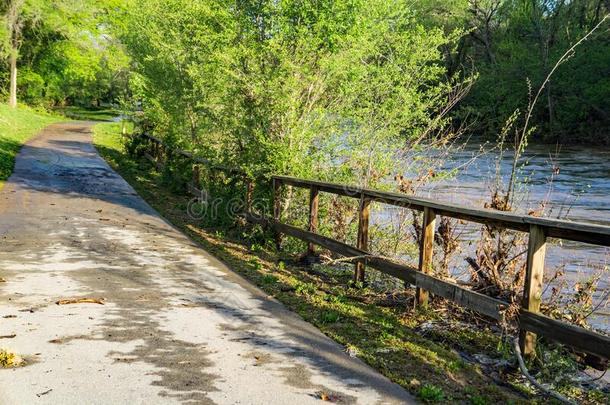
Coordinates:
<point>531,322</point>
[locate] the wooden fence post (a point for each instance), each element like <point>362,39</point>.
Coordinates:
<point>426,252</point>
<point>313,217</point>
<point>196,178</point>
<point>362,241</point>
<point>277,210</point>
<point>532,292</point>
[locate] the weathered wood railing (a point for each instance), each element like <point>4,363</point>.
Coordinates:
<point>531,322</point>
<point>160,151</point>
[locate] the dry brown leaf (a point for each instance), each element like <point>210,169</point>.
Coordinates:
<point>8,336</point>
<point>328,397</point>
<point>81,301</point>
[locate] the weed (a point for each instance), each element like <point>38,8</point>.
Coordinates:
<point>304,288</point>
<point>430,393</point>
<point>335,299</point>
<point>329,317</point>
<point>256,264</point>
<point>255,247</point>
<point>479,400</point>
<point>269,279</point>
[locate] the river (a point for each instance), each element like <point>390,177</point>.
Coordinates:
<point>575,181</point>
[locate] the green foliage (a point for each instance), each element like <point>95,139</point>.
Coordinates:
<point>430,393</point>
<point>65,51</point>
<point>256,264</point>
<point>311,88</point>
<point>32,86</point>
<point>304,288</point>
<point>269,279</point>
<point>330,317</point>
<point>479,400</point>
<point>135,146</point>
<point>514,44</point>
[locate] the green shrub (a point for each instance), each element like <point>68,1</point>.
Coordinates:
<point>430,393</point>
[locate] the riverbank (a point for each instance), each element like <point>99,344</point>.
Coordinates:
<point>442,354</point>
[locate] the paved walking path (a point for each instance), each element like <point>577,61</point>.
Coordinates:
<point>177,325</point>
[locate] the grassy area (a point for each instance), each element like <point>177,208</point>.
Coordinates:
<point>383,331</point>
<point>89,114</point>
<point>16,127</point>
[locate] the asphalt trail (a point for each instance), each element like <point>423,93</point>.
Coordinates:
<point>177,325</point>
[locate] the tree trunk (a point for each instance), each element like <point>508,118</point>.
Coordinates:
<point>13,85</point>
<point>14,25</point>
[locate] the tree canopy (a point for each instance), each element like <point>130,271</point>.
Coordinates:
<point>63,50</point>
<point>305,76</point>
<point>301,87</point>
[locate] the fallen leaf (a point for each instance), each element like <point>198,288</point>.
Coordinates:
<point>8,336</point>
<point>328,397</point>
<point>2,280</point>
<point>9,359</point>
<point>81,301</point>
<point>9,316</point>
<point>56,341</point>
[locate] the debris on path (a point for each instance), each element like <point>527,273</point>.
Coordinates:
<point>10,359</point>
<point>81,301</point>
<point>8,336</point>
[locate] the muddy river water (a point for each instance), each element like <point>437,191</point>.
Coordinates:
<point>575,183</point>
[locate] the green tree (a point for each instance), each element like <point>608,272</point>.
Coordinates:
<point>515,43</point>
<point>310,88</point>
<point>62,46</point>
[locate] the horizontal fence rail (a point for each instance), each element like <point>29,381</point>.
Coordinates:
<point>556,228</point>
<point>531,322</point>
